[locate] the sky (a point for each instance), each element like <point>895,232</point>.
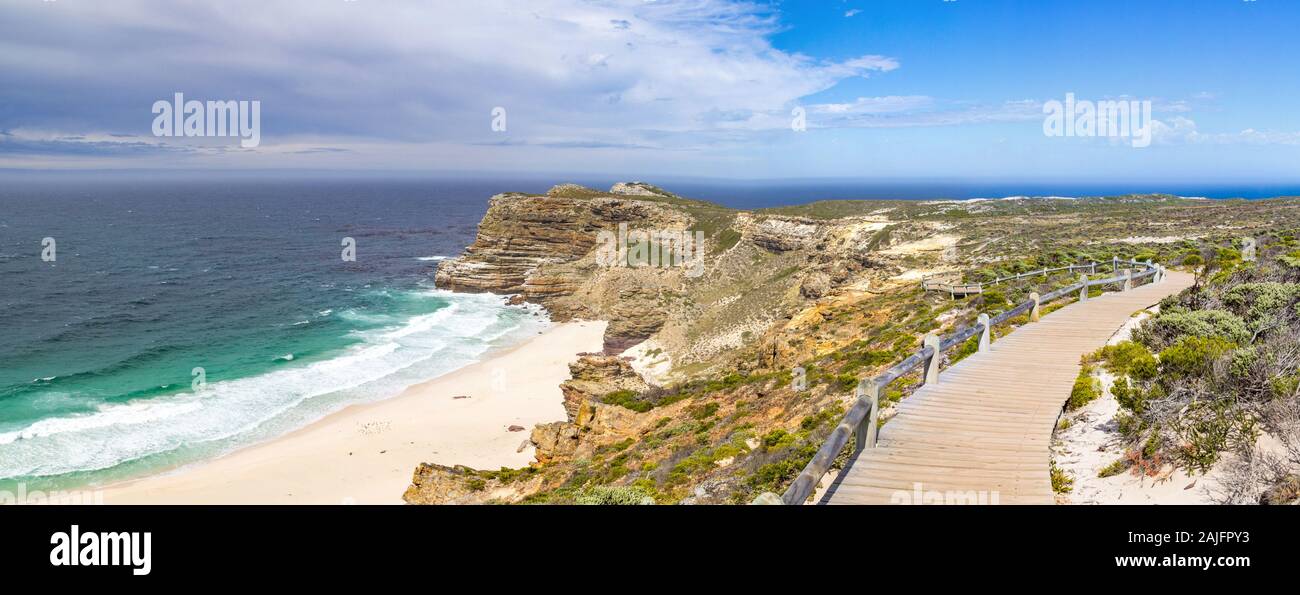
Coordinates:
<point>641,89</point>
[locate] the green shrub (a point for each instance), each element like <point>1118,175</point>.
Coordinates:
<point>614,496</point>
<point>1193,260</point>
<point>1114,469</point>
<point>1257,301</point>
<point>1062,483</point>
<point>1086,388</point>
<point>1191,357</point>
<point>1291,259</point>
<point>1176,322</point>
<point>1128,396</point>
<point>993,301</point>
<point>1129,359</point>
<point>1285,387</point>
<point>1225,256</point>
<point>1206,429</point>
<point>777,439</point>
<point>629,399</point>
<point>703,411</point>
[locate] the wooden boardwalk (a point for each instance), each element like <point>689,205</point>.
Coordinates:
<point>983,432</point>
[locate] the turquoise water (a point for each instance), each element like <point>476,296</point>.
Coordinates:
<point>98,349</point>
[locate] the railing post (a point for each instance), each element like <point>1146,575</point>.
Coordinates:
<point>1038,302</point>
<point>865,435</point>
<point>1128,280</point>
<point>932,366</point>
<point>1092,270</point>
<point>984,332</point>
<point>1114,264</point>
<point>1083,291</point>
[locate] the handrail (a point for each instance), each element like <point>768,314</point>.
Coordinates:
<point>861,419</point>
<point>928,283</point>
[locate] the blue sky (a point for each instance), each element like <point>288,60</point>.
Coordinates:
<point>892,89</point>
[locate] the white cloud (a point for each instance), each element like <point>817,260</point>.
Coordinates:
<point>918,110</point>
<point>609,73</point>
<point>1180,130</point>
<point>851,12</point>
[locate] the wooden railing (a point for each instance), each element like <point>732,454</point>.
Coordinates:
<point>946,282</point>
<point>862,419</point>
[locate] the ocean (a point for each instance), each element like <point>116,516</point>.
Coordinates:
<point>244,279</point>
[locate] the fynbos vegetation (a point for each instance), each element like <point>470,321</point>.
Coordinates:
<point>1216,373</point>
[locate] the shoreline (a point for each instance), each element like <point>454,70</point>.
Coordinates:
<point>366,453</point>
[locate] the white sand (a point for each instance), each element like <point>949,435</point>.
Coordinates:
<point>366,454</point>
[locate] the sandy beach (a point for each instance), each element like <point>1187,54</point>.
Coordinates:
<point>365,454</point>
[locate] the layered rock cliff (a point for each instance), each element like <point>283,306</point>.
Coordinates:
<point>757,270</point>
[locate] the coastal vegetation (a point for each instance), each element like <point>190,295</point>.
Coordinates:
<point>1214,377</point>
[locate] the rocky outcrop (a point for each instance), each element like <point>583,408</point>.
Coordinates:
<point>592,378</point>
<point>439,484</point>
<point>543,248</point>
<point>783,234</point>
<point>638,189</point>
<point>518,234</point>
<point>815,285</point>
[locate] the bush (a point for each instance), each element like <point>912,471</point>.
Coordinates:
<point>1129,359</point>
<point>993,301</point>
<point>703,411</point>
<point>1128,396</point>
<point>629,399</point>
<point>1062,483</point>
<point>1226,256</point>
<point>1206,429</point>
<point>614,496</point>
<point>1086,388</point>
<point>1257,301</point>
<point>777,439</point>
<point>1177,321</point>
<point>1114,469</point>
<point>1191,357</point>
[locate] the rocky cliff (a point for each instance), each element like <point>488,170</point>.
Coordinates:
<point>757,269</point>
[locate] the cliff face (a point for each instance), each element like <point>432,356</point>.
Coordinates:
<point>543,248</point>
<point>757,271</point>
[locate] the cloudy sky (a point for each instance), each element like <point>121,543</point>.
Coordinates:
<point>643,88</point>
